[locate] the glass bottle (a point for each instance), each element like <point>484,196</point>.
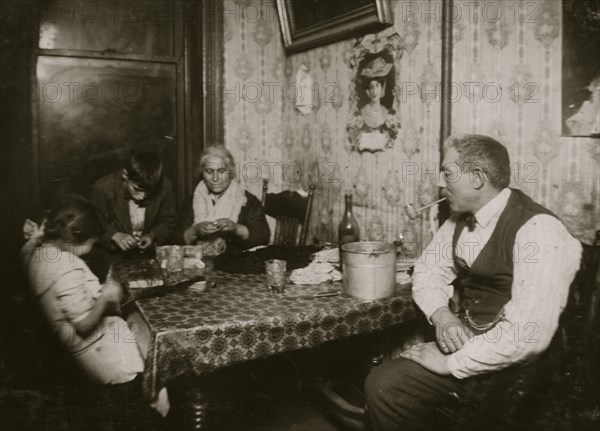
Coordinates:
<point>399,243</point>
<point>348,230</point>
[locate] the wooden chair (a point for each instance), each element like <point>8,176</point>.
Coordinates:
<point>290,210</point>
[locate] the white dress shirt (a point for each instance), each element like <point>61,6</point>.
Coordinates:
<point>545,260</point>
<point>137,214</point>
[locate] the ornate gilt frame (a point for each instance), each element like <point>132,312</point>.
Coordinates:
<point>366,18</point>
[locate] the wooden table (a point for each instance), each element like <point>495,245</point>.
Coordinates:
<point>192,333</point>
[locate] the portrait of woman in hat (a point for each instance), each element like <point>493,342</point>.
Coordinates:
<point>374,124</point>
<point>376,78</point>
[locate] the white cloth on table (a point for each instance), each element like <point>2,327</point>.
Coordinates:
<point>143,283</point>
<point>315,273</point>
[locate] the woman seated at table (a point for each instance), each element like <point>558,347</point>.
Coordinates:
<point>83,312</point>
<point>224,212</point>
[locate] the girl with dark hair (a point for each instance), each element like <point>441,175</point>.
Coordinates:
<point>83,312</point>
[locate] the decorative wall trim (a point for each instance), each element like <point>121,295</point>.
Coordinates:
<point>446,110</point>
<point>212,72</point>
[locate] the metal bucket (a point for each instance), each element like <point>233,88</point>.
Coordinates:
<point>369,269</point>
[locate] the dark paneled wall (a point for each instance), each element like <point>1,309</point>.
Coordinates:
<point>18,35</point>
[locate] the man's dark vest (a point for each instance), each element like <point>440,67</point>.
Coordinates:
<point>486,286</point>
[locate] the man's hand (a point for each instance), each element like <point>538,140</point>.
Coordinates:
<point>146,241</point>
<point>428,356</point>
<point>450,333</point>
<point>124,241</point>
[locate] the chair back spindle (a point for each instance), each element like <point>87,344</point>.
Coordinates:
<point>265,186</point>
<point>290,210</point>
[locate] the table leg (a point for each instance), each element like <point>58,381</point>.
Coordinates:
<point>197,409</point>
<point>190,410</point>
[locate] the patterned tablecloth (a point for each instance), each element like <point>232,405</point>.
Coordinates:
<point>194,332</point>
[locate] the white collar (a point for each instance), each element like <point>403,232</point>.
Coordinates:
<point>493,208</point>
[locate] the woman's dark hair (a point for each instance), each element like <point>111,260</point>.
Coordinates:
<point>367,81</point>
<point>75,222</point>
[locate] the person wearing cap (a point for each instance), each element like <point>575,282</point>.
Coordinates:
<point>374,77</point>
<point>137,203</point>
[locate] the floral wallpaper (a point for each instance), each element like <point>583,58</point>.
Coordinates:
<point>516,62</point>
<point>314,148</point>
<point>254,76</point>
<point>506,83</point>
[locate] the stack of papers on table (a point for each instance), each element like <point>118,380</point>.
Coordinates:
<point>193,263</point>
<point>140,284</point>
<point>192,257</point>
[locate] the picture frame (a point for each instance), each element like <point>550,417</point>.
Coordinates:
<point>581,69</point>
<point>307,24</point>
<point>373,125</point>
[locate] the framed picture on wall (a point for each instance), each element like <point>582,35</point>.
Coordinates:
<point>581,68</point>
<point>306,24</point>
<point>374,125</point>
